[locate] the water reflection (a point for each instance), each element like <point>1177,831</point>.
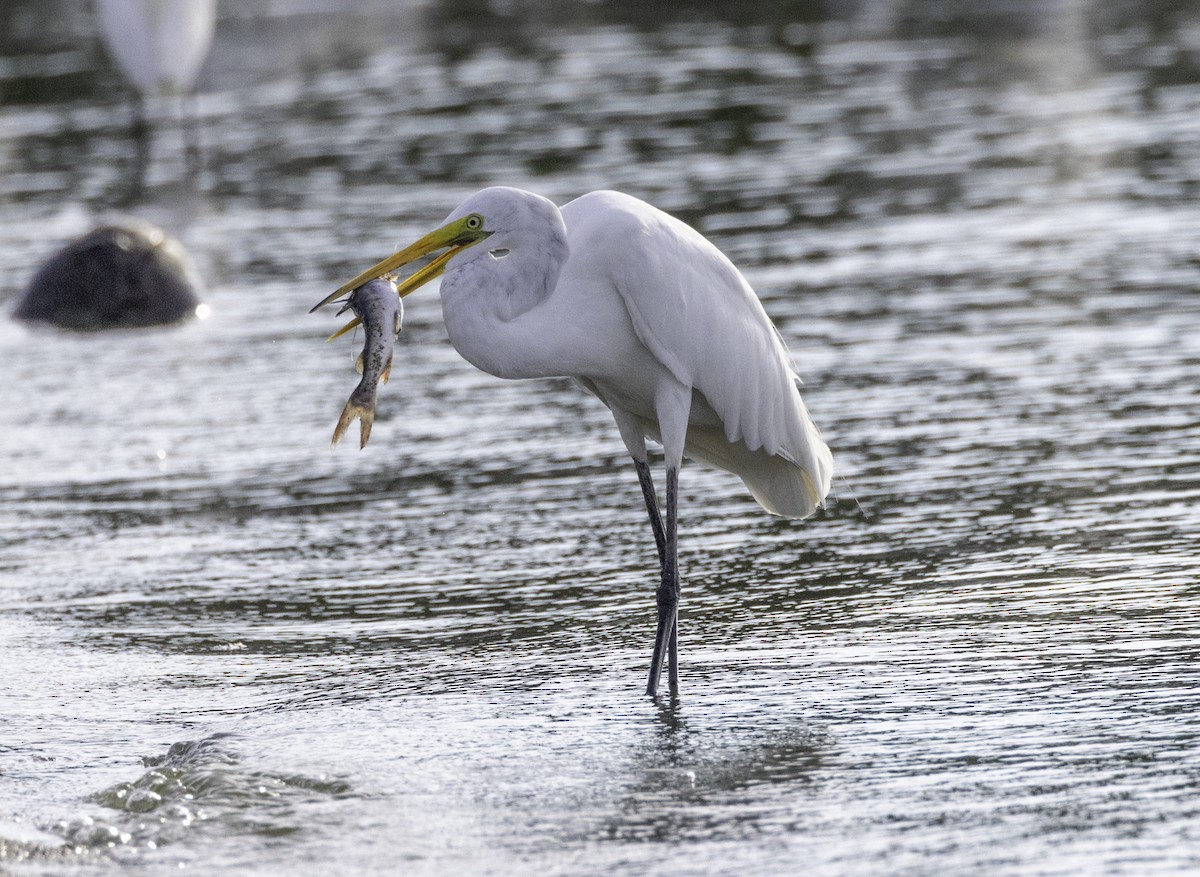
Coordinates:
<point>688,782</point>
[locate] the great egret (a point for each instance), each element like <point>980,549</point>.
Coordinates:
<point>650,317</point>
<point>160,46</point>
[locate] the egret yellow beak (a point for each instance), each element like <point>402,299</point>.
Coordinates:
<point>457,236</point>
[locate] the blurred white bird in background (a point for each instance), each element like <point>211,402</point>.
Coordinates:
<point>159,46</point>
<point>650,317</point>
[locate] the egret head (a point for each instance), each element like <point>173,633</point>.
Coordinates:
<point>514,221</point>
<point>510,219</point>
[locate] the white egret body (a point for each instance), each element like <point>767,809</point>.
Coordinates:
<point>650,317</point>
<point>159,45</point>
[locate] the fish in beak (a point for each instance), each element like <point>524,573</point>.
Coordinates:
<point>382,312</point>
<point>453,237</point>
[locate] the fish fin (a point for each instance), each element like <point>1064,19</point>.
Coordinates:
<point>358,364</point>
<point>365,415</point>
<point>387,370</point>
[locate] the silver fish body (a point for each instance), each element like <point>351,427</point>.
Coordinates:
<point>382,312</point>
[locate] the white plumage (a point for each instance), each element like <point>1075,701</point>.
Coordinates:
<point>646,314</point>
<point>159,45</point>
<point>642,311</point>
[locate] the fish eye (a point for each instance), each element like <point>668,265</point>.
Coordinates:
<point>474,222</point>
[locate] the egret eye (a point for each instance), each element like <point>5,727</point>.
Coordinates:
<point>474,222</point>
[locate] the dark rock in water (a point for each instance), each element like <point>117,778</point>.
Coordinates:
<point>131,274</point>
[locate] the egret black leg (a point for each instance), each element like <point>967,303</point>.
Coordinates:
<point>139,131</point>
<point>671,568</point>
<point>189,122</point>
<point>660,540</point>
<point>666,637</point>
<point>651,498</point>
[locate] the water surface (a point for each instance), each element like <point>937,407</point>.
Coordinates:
<point>229,649</point>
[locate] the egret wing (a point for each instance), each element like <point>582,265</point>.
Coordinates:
<point>699,317</point>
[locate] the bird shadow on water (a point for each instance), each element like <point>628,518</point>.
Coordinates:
<point>692,770</point>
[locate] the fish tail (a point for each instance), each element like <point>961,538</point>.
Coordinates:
<point>366,417</point>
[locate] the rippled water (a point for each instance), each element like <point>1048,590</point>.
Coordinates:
<point>228,649</point>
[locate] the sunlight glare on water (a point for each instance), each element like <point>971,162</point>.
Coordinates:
<point>227,648</point>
